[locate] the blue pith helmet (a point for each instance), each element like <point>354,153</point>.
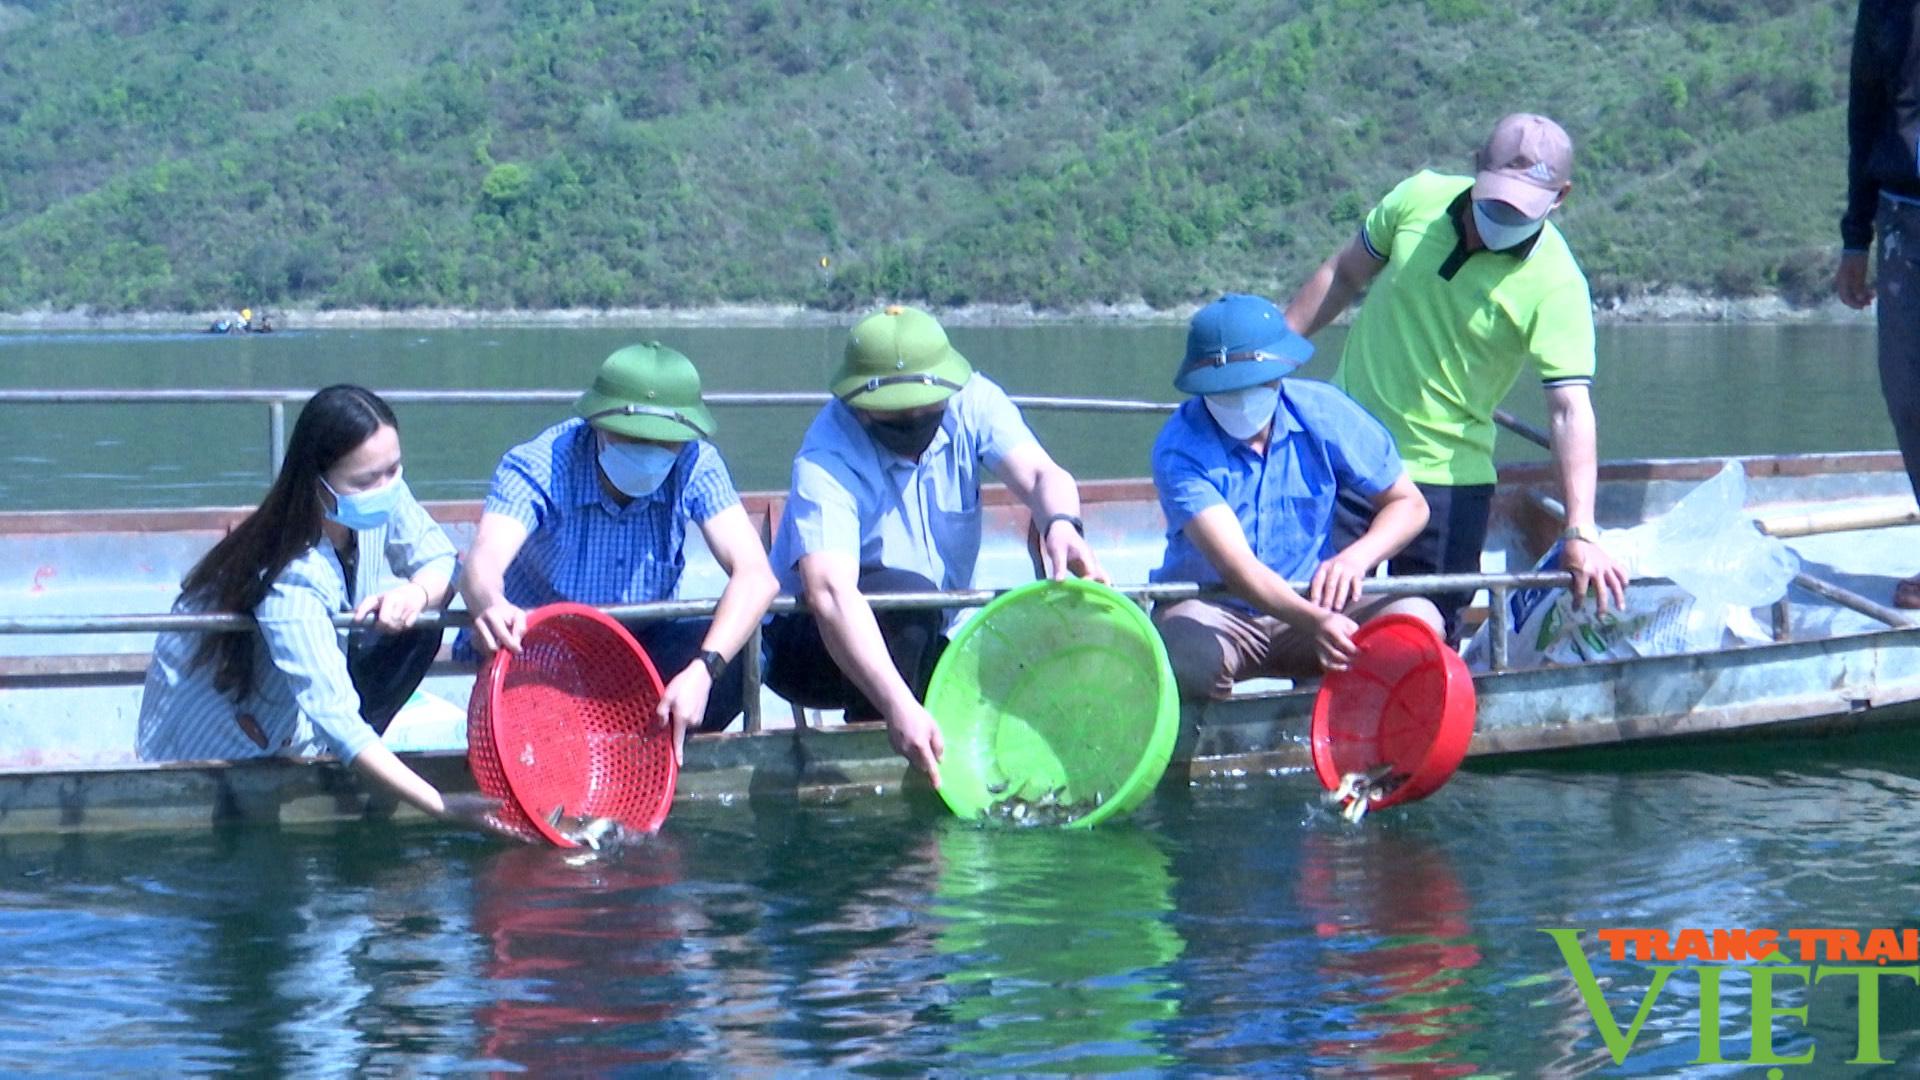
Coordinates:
<point>1236,342</point>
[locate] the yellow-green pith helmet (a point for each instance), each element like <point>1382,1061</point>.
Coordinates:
<point>647,392</point>
<point>899,359</point>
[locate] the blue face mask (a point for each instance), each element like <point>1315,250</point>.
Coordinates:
<point>1502,226</point>
<point>636,469</point>
<point>365,509</point>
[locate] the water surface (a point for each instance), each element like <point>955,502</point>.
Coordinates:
<point>1229,928</point>
<point>1662,391</point>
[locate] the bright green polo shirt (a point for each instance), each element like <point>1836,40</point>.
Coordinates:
<point>1442,335</point>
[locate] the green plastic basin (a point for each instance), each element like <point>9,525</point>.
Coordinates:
<point>1057,693</point>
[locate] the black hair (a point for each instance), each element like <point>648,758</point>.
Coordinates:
<point>237,574</point>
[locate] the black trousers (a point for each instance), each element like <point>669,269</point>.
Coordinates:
<point>1455,533</point>
<point>672,644</point>
<point>387,669</point>
<point>800,669</point>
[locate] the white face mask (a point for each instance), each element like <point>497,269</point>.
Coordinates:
<point>1501,226</point>
<point>636,468</point>
<point>1244,413</point>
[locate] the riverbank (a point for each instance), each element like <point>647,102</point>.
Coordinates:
<point>1662,307</point>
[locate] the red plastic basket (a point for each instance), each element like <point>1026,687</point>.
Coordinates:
<point>1406,702</point>
<point>569,724</point>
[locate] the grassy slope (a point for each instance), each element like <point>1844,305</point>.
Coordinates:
<point>501,153</point>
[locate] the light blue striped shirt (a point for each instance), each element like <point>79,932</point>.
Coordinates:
<point>853,496</point>
<point>303,701</point>
<point>582,544</point>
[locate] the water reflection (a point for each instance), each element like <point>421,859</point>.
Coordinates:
<point>583,958</point>
<point>1391,921</point>
<point>1058,947</point>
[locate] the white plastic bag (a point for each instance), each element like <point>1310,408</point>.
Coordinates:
<point>1721,566</point>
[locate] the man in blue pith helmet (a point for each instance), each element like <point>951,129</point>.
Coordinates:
<point>1248,472</point>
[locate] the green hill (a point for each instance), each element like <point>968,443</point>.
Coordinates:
<point>193,154</point>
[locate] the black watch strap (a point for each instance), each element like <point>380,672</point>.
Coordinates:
<point>715,663</point>
<point>1078,525</point>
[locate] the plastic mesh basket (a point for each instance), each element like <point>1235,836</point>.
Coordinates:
<point>568,725</point>
<point>1406,702</point>
<point>1056,687</point>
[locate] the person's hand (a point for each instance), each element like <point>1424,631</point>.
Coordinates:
<point>917,738</point>
<point>1066,552</point>
<point>1850,280</point>
<point>1594,570</point>
<point>393,610</point>
<point>1336,583</point>
<point>684,704</point>
<point>1333,640</point>
<point>499,627</point>
<point>476,811</point>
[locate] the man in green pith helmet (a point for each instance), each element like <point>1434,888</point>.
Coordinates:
<point>886,498</point>
<point>594,510</point>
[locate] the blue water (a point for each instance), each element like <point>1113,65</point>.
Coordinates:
<point>1230,928</point>
<point>1662,391</point>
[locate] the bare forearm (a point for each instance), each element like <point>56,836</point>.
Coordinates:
<point>1575,457</point>
<point>741,606</point>
<point>436,584</point>
<point>1320,300</point>
<point>1394,526</point>
<point>387,772</point>
<point>853,639</point>
<point>1270,593</point>
<point>483,580</point>
<point>1055,492</point>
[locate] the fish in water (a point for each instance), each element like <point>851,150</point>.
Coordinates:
<point>1359,791</point>
<point>592,833</point>
<point>1053,808</point>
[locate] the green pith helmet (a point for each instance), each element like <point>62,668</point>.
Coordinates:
<point>899,359</point>
<point>647,392</point>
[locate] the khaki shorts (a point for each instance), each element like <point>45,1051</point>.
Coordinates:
<point>1212,646</point>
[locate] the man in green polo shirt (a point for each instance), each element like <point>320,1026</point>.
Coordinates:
<point>1467,285</point>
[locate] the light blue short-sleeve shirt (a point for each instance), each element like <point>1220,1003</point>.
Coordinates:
<point>851,495</point>
<point>1322,441</point>
<point>302,702</point>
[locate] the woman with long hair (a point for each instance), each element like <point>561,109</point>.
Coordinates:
<point>296,686</point>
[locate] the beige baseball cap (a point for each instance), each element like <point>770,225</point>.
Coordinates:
<point>1527,162</point>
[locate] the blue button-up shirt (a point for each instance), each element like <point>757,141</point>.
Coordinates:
<point>1321,441</point>
<point>302,702</point>
<point>852,496</point>
<point>582,544</point>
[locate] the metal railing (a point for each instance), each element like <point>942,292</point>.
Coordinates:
<point>1499,586</point>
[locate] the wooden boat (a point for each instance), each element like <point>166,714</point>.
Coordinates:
<point>68,701</point>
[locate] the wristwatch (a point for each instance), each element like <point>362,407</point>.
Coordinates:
<point>1078,525</point>
<point>1580,532</point>
<point>715,663</point>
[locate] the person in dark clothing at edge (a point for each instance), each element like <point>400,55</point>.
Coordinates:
<point>1883,195</point>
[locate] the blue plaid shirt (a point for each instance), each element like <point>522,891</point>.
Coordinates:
<point>582,545</point>
<point>1322,441</point>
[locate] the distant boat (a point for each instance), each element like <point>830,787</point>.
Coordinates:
<point>241,326</point>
